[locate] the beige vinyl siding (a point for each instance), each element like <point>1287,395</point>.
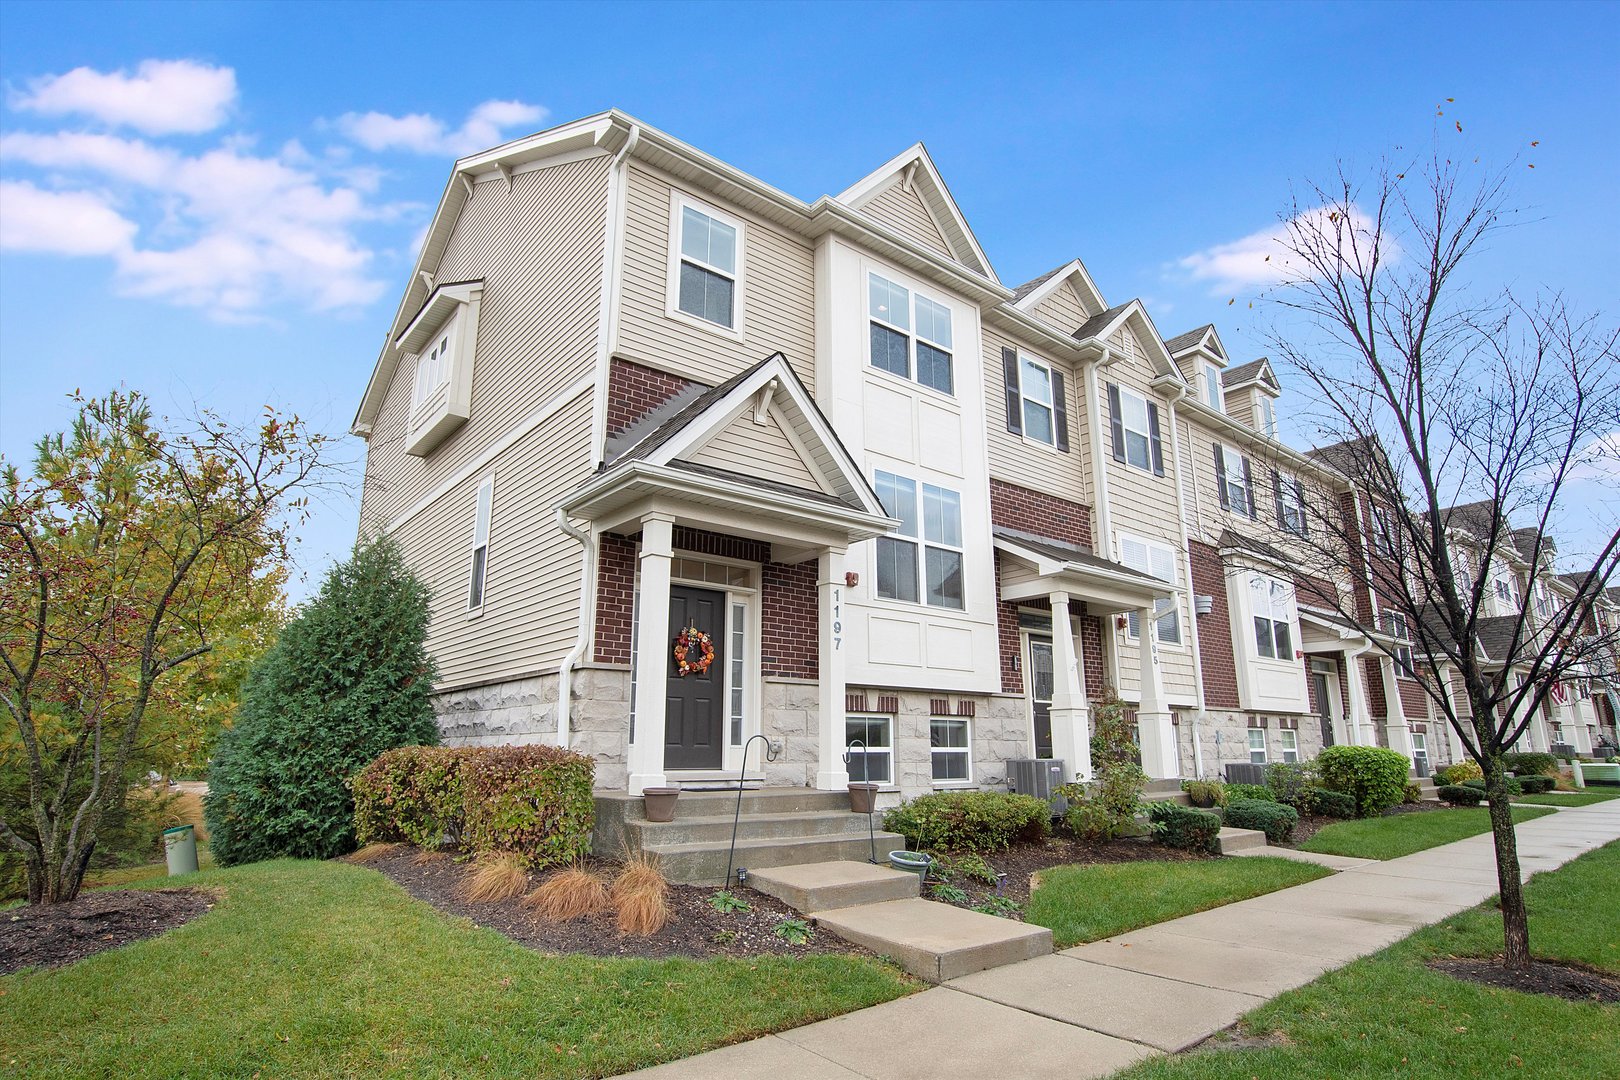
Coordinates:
<point>1062,309</point>
<point>761,450</point>
<point>1022,461</point>
<point>778,288</point>
<point>529,619</point>
<point>538,248</point>
<point>903,210</point>
<point>1240,407</point>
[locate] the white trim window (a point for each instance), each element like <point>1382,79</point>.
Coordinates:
<point>707,269</point>
<point>899,350</point>
<point>480,546</point>
<point>1395,626</point>
<point>1273,603</point>
<point>1290,504</point>
<point>875,764</point>
<point>1155,560</point>
<point>950,743</point>
<point>930,571</point>
<point>1257,746</point>
<point>1420,753</point>
<point>1385,539</point>
<point>1288,745</point>
<point>1134,420</point>
<point>433,365</point>
<point>1265,413</point>
<point>1035,390</point>
<point>1212,388</point>
<point>1234,481</point>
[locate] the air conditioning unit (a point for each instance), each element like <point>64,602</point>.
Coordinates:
<point>1040,777</point>
<point>1245,773</point>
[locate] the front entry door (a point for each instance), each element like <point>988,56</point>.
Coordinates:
<point>694,728</point>
<point>1324,707</point>
<point>1040,693</point>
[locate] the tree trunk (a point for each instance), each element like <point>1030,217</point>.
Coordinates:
<point>1515,920</point>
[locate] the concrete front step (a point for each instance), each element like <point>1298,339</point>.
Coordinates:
<point>622,825</point>
<point>691,830</point>
<point>1234,840</point>
<point>829,885</point>
<point>936,942</point>
<point>1178,797</point>
<point>704,862</point>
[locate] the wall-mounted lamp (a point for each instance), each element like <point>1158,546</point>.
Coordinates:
<point>851,579</point>
<point>1203,603</point>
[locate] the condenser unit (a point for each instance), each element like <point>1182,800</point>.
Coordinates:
<point>1040,777</point>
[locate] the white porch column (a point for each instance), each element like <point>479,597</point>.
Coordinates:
<point>1360,719</point>
<point>1395,727</point>
<point>652,654</point>
<point>831,773</point>
<point>1070,712</point>
<point>1161,757</point>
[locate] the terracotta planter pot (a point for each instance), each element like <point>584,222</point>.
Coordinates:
<point>863,798</point>
<point>659,803</point>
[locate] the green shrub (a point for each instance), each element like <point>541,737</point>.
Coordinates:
<point>1111,742</point>
<point>1102,810</point>
<point>1183,827</point>
<point>1291,782</point>
<point>1461,795</point>
<point>1205,793</point>
<point>1412,794</point>
<point>1272,818</point>
<point>1535,785</point>
<point>1331,803</point>
<point>1513,785</point>
<point>347,679</point>
<point>1373,776</point>
<point>970,866</point>
<point>1250,791</point>
<point>1530,764</point>
<point>977,821</point>
<point>533,802</point>
<point>1458,772</point>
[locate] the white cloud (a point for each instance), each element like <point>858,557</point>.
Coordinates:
<point>1598,461</point>
<point>420,133</point>
<point>1263,258</point>
<point>60,222</point>
<point>163,97</point>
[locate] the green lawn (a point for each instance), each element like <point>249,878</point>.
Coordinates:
<point>329,969</point>
<point>1087,903</point>
<point>1389,1015</point>
<point>1569,798</point>
<point>1402,834</point>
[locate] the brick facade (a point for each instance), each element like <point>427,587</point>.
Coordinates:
<point>615,595</point>
<point>634,391</point>
<point>1414,702</point>
<point>790,633</point>
<point>1214,645</point>
<point>1012,665</point>
<point>1015,507</point>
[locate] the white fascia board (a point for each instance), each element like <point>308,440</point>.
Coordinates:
<point>1045,337</point>
<point>1075,271</point>
<point>440,303</point>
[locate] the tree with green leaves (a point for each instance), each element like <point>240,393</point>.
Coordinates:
<point>125,558</point>
<point>348,678</point>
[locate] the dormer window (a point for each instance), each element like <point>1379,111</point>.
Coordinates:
<point>1265,416</point>
<point>1212,387</point>
<point>433,367</point>
<point>443,339</point>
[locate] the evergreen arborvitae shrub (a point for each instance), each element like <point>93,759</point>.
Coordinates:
<point>349,678</point>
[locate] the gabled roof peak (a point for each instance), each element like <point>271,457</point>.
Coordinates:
<point>914,168</point>
<point>1203,338</point>
<point>1031,293</point>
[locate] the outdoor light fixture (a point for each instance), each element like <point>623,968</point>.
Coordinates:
<point>1203,603</point>
<point>742,876</point>
<point>851,579</point>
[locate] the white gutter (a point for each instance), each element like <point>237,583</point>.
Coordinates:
<point>565,673</point>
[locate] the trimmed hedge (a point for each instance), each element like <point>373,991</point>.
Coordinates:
<point>1274,819</point>
<point>1459,772</point>
<point>1183,827</point>
<point>975,821</point>
<point>1524,763</point>
<point>1373,776</point>
<point>1331,803</point>
<point>1460,795</point>
<point>1250,791</point>
<point>1514,786</point>
<point>1536,785</point>
<point>533,802</point>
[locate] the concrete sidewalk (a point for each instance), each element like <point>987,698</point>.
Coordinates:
<point>1092,1010</point>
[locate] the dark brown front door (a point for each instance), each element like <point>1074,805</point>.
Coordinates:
<point>694,721</point>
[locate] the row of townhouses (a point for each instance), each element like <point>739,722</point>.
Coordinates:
<point>688,460</point>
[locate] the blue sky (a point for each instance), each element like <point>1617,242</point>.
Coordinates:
<point>219,202</point>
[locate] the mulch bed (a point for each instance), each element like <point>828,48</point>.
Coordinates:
<point>1572,982</point>
<point>1023,862</point>
<point>694,930</point>
<point>50,935</point>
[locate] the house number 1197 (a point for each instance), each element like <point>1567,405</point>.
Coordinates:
<point>838,619</point>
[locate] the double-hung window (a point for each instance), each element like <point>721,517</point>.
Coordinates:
<point>1385,539</point>
<point>480,548</point>
<point>706,285</point>
<point>1290,504</point>
<point>1234,481</point>
<point>893,311</point>
<point>1156,560</point>
<point>1265,414</point>
<point>1212,387</point>
<point>949,747</point>
<point>1257,746</point>
<point>875,763</point>
<point>1288,745</point>
<point>1035,387</point>
<point>1396,627</point>
<point>922,559</point>
<point>1273,603</point>
<point>1135,423</point>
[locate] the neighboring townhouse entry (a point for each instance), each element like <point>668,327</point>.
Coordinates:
<point>1040,693</point>
<point>694,732</point>
<point>1326,692</point>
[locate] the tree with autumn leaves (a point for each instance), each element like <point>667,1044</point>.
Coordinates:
<point>140,569</point>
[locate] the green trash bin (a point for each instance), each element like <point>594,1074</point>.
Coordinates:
<point>180,847</point>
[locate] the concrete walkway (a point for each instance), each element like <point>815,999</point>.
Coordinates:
<point>1092,1010</point>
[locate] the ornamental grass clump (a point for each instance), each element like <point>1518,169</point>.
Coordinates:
<point>640,895</point>
<point>495,877</point>
<point>373,852</point>
<point>568,894</point>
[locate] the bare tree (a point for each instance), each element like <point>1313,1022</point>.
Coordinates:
<point>1460,420</point>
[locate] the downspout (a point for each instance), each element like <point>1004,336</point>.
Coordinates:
<point>608,312</point>
<point>1178,393</point>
